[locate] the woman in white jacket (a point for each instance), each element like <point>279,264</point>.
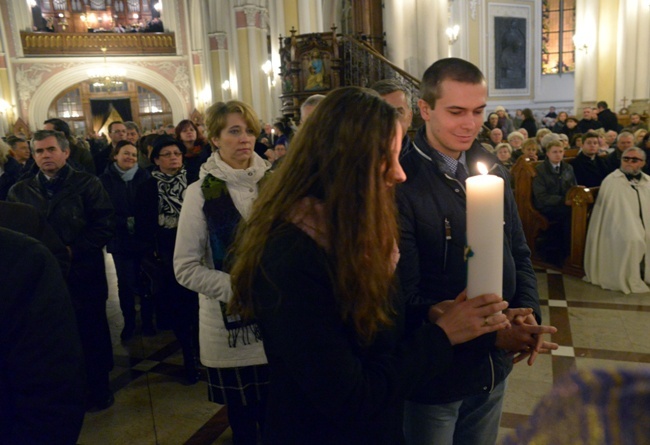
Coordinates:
<point>228,184</point>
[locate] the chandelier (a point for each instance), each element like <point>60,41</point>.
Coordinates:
<point>106,77</point>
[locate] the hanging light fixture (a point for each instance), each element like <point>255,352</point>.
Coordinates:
<point>107,77</point>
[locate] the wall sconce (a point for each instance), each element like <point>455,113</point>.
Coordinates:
<point>580,43</point>
<point>5,107</point>
<point>452,33</point>
<point>225,85</point>
<point>267,67</point>
<point>206,95</point>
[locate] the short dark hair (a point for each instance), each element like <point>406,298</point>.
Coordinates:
<point>12,140</point>
<point>61,139</point>
<point>110,126</point>
<point>588,135</point>
<point>602,104</point>
<point>574,138</point>
<point>59,125</point>
<point>451,68</point>
<point>165,141</point>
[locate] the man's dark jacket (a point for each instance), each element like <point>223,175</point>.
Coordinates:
<point>608,120</point>
<point>589,172</point>
<point>432,266</point>
<point>81,214</point>
<point>41,362</point>
<point>549,187</point>
<point>588,124</point>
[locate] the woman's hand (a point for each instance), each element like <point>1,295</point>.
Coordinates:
<point>465,319</point>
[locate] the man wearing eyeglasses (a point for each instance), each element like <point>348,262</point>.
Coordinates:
<point>617,255</point>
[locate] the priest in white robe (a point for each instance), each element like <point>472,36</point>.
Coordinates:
<point>618,241</point>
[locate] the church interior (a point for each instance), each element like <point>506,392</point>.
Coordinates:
<point>158,62</point>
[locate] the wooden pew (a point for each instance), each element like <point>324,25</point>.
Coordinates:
<point>571,153</point>
<point>579,198</point>
<point>532,220</point>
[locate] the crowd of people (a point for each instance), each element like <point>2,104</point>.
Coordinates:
<point>597,140</point>
<point>318,273</point>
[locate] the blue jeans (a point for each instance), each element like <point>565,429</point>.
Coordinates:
<point>471,421</point>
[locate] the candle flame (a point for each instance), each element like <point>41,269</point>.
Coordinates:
<point>482,169</point>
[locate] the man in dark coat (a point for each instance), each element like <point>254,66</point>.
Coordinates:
<point>80,211</point>
<point>588,121</point>
<point>607,117</point>
<point>589,168</point>
<point>26,219</point>
<point>432,266</point>
<point>554,179</point>
<point>41,362</point>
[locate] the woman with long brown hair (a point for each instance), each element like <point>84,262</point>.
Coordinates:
<point>315,268</point>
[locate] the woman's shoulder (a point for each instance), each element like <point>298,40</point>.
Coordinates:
<point>289,245</point>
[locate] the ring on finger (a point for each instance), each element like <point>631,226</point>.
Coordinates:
<point>486,321</point>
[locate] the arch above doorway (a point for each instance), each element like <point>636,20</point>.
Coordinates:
<point>50,89</point>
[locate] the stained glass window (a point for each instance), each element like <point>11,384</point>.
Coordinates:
<point>558,27</point>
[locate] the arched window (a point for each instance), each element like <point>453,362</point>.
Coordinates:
<point>69,108</point>
<point>558,27</point>
<point>154,111</point>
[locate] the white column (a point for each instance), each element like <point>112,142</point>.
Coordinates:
<point>587,61</point>
<point>394,18</point>
<point>310,16</point>
<point>252,16</point>
<point>642,56</point>
<point>276,28</point>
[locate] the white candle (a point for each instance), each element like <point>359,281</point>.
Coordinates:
<point>484,234</point>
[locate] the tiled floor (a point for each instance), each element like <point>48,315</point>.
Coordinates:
<point>597,328</point>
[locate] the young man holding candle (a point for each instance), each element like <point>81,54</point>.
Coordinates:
<point>462,406</point>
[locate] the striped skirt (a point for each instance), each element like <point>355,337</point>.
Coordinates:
<point>238,385</point>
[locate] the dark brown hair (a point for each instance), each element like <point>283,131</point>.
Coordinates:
<point>329,160</point>
<point>451,68</point>
<point>182,125</point>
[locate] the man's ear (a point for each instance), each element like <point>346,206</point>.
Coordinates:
<point>425,109</point>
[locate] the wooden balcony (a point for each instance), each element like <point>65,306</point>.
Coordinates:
<point>44,44</point>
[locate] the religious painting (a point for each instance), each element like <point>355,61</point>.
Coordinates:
<point>509,47</point>
<point>510,52</point>
<point>315,70</point>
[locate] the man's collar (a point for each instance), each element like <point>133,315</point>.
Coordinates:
<point>62,173</point>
